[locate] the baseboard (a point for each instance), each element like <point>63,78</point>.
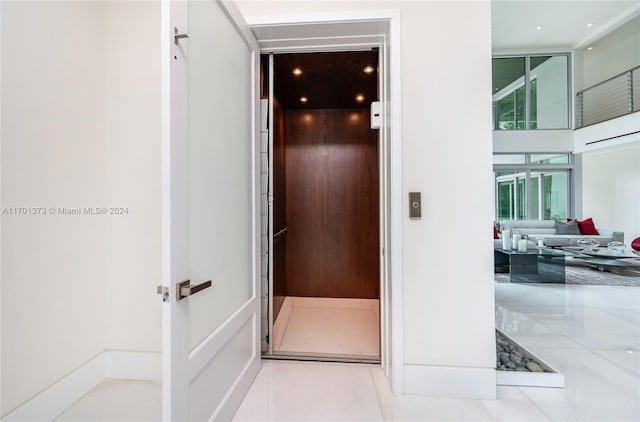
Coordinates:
<point>51,402</point>
<point>448,381</point>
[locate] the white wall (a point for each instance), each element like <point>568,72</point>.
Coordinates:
<point>615,53</point>
<point>448,315</point>
<point>533,140</point>
<point>611,182</point>
<point>53,268</point>
<point>80,128</point>
<point>132,154</point>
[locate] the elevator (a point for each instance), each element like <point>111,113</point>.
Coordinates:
<point>323,195</point>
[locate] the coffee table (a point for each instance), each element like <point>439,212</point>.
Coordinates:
<point>533,266</point>
<point>601,259</point>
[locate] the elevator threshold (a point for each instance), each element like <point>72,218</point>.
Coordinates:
<point>323,357</point>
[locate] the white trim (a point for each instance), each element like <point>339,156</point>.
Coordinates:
<point>165,230</point>
<point>450,381</point>
<point>395,160</point>
<point>1,202</point>
<point>397,283</point>
<point>323,17</point>
<point>51,402</point>
<point>270,231</point>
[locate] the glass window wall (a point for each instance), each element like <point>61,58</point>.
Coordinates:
<point>531,92</point>
<point>538,189</point>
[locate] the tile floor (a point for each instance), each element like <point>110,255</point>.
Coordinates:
<point>328,326</point>
<point>590,333</point>
<point>118,400</point>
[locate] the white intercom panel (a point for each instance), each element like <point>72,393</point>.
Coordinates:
<point>376,115</point>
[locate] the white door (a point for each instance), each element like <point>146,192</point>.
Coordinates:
<point>210,216</point>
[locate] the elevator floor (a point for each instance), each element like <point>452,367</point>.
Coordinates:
<point>328,327</point>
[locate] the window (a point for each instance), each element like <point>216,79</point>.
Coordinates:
<point>531,92</point>
<point>532,186</point>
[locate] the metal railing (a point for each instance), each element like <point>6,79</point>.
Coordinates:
<point>609,99</point>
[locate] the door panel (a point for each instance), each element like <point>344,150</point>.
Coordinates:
<point>220,173</point>
<point>210,215</point>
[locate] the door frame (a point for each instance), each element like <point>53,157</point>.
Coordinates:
<point>384,27</point>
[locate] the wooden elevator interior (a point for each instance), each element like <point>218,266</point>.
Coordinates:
<point>325,175</point>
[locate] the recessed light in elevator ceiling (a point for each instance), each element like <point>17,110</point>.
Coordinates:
<point>326,80</point>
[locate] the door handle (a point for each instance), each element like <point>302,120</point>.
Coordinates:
<point>185,289</point>
<point>177,37</point>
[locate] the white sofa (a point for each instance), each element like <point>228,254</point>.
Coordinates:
<point>546,229</point>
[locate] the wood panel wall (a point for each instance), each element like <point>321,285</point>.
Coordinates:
<point>331,204</point>
<point>279,209</point>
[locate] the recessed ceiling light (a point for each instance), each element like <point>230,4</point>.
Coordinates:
<point>297,71</point>
<point>590,24</point>
<point>539,27</point>
<point>303,99</point>
<point>590,48</point>
<point>368,69</point>
<point>359,98</point>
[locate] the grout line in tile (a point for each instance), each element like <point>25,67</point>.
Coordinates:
<point>614,363</point>
<point>548,416</point>
<point>375,389</point>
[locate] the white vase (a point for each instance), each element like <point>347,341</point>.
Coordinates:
<point>514,240</point>
<point>506,240</point>
<point>522,245</point>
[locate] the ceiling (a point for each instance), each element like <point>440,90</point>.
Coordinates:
<point>563,22</point>
<point>328,80</point>
<point>332,80</point>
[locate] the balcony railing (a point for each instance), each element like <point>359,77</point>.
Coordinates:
<point>609,99</point>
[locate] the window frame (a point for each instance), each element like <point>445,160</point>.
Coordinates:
<point>527,168</point>
<point>527,90</point>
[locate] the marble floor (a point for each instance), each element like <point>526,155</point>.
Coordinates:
<point>118,400</point>
<point>329,327</point>
<point>590,333</point>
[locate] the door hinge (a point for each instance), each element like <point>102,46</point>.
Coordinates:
<point>164,291</point>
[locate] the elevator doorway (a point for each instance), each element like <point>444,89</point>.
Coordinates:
<point>324,195</point>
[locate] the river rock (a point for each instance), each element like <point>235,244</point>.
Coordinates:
<point>534,367</point>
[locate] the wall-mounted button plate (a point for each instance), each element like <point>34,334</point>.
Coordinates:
<point>415,205</point>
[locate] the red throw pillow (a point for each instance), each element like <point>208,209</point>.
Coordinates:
<point>635,245</point>
<point>495,233</point>
<point>587,227</point>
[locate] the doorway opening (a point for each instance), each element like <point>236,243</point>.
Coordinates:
<point>323,194</point>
